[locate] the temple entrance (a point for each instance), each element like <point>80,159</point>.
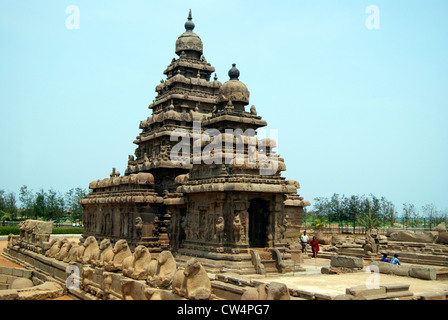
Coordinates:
<point>258,222</point>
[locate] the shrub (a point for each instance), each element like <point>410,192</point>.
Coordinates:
<point>4,231</point>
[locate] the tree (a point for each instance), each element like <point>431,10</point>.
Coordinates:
<point>8,207</point>
<point>429,211</point>
<point>319,223</point>
<point>26,198</point>
<point>54,206</point>
<point>388,212</point>
<point>408,213</point>
<point>321,207</point>
<point>369,220</point>
<point>353,208</point>
<point>39,206</point>
<point>72,198</point>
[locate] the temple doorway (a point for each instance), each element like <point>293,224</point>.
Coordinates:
<point>258,222</point>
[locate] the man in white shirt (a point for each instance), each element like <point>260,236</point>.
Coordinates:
<point>304,239</point>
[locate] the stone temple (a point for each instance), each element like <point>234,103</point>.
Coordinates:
<point>200,182</point>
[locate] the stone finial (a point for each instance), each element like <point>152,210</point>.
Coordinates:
<point>189,25</point>
<point>234,73</point>
<point>114,173</point>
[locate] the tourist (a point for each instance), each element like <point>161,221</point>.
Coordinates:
<point>304,239</point>
<point>395,260</point>
<point>314,246</point>
<point>384,258</point>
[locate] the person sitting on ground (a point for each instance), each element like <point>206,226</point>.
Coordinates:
<point>384,258</point>
<point>395,260</point>
<point>314,246</point>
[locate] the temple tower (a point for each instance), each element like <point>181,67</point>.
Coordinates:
<point>222,199</point>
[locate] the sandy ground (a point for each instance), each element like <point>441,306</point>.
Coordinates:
<point>313,281</point>
<point>5,262</point>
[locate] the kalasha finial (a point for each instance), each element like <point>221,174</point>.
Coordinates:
<point>189,25</point>
<point>234,73</point>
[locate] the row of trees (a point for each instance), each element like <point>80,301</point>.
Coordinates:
<point>47,205</point>
<point>372,212</point>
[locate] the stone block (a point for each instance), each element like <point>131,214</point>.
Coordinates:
<point>9,294</point>
<point>400,270</point>
<point>425,273</point>
<point>346,262</point>
<point>6,271</point>
<point>383,267</point>
<point>363,291</point>
<point>17,272</point>
<point>395,287</point>
<point>409,236</point>
<point>3,278</point>
<point>434,296</point>
<point>399,294</point>
<point>344,297</point>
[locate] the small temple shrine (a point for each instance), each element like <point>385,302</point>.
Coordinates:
<point>200,182</point>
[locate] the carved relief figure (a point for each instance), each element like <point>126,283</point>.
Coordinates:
<point>236,229</point>
<point>219,228</point>
<point>138,227</point>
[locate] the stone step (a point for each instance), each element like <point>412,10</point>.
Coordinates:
<point>382,292</point>
<point>442,274</point>
<point>270,266</point>
<point>435,296</point>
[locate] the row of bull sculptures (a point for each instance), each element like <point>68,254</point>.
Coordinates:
<point>192,282</point>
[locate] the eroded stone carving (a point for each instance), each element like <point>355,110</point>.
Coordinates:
<point>72,255</point>
<point>371,246</point>
<point>105,254</point>
<point>236,228</point>
<point>197,283</point>
<point>55,246</point>
<point>219,227</point>
<point>91,250</point>
<point>166,268</point>
<point>120,252</point>
<point>64,251</point>
<point>136,266</point>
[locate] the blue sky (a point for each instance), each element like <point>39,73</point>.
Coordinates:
<point>357,110</point>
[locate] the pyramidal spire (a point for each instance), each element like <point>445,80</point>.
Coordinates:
<point>189,25</point>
